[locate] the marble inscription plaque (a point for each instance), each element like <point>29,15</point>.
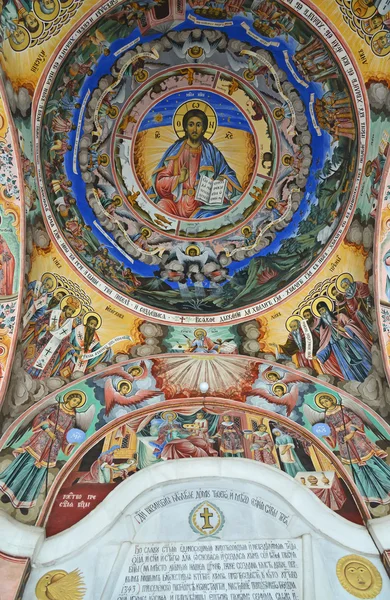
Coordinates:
<point>212,570</point>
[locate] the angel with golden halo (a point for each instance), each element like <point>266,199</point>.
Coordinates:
<point>348,424</point>
<point>122,394</point>
<point>130,372</point>
<point>271,376</point>
<point>279,395</point>
<point>21,482</point>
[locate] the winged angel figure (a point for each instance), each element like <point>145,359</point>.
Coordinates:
<point>50,425</point>
<point>119,390</point>
<point>349,432</point>
<point>196,48</point>
<point>279,393</point>
<point>251,67</point>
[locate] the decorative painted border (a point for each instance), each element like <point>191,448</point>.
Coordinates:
<point>377,248</point>
<point>22,246</point>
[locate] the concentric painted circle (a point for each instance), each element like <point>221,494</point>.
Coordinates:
<point>150,145</point>
<point>197,173</point>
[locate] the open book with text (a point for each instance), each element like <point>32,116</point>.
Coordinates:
<point>211,192</point>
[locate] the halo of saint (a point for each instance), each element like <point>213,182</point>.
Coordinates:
<point>205,107</point>
<point>46,10</point>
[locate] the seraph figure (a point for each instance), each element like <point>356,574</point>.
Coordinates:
<point>121,394</point>
<point>279,396</point>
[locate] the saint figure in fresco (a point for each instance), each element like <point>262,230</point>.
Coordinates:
<point>106,470</point>
<point>84,339</point>
<point>22,480</point>
<point>175,180</point>
<point>381,43</point>
<point>202,344</point>
<point>363,8</point>
<point>358,302</point>
<point>295,344</point>
<point>48,7</point>
<point>232,439</point>
<point>288,457</point>
<point>42,295</point>
<point>50,351</point>
<point>174,441</point>
<point>344,351</point>
<point>262,445</point>
<point>7,268</point>
<point>348,434</point>
<point>202,425</point>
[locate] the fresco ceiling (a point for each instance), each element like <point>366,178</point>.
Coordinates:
<point>285,139</point>
<point>193,194</point>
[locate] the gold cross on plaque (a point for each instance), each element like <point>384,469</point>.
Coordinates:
<point>206,515</point>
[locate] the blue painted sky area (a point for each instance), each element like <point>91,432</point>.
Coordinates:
<point>228,115</point>
<point>102,67</point>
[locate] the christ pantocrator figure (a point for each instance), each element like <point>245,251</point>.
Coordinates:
<point>175,180</point>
